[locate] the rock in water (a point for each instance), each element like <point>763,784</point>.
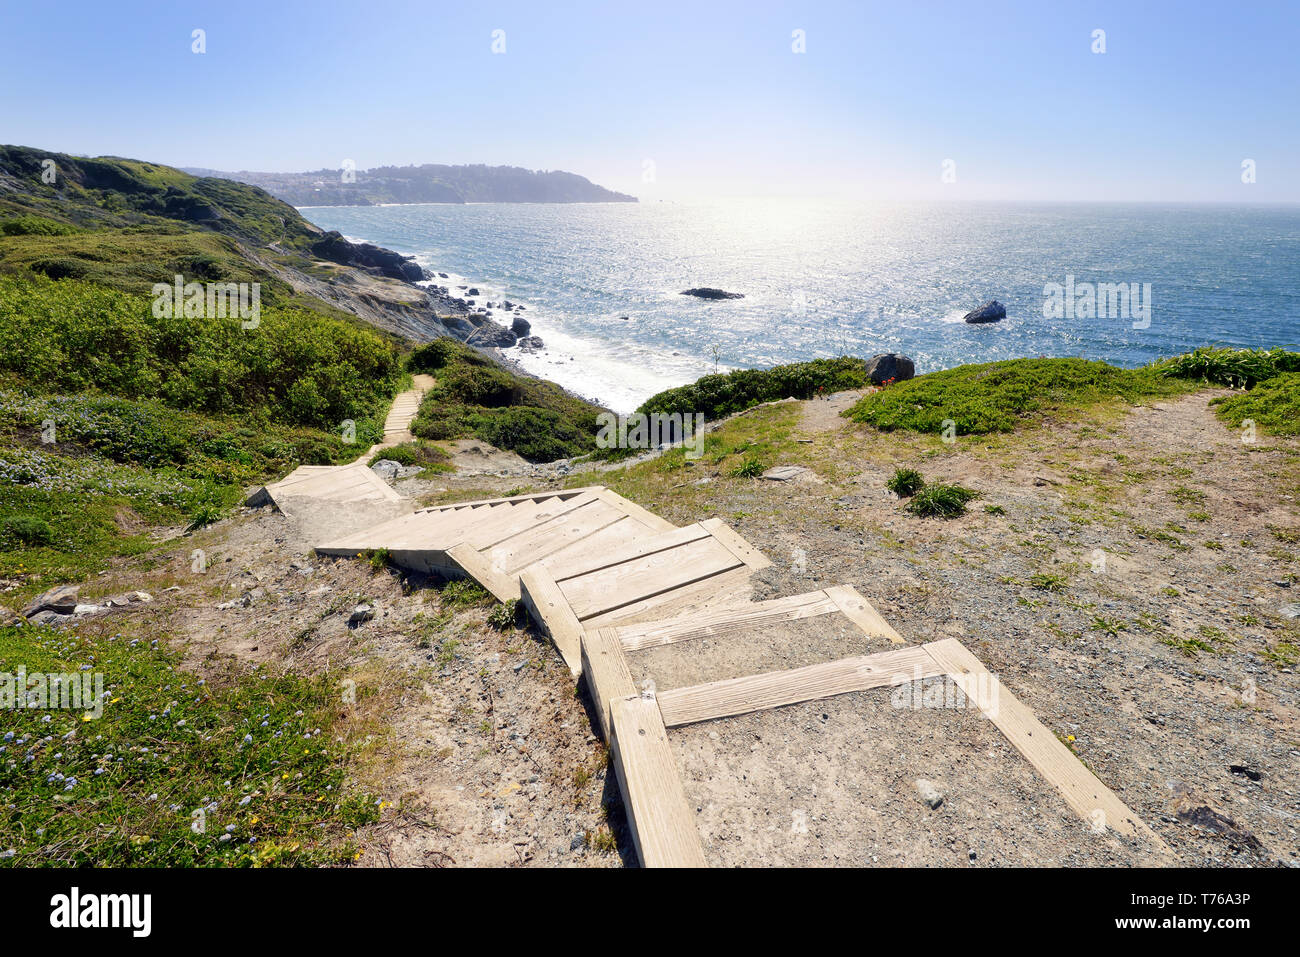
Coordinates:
<point>520,326</point>
<point>890,365</point>
<point>991,311</point>
<point>705,292</point>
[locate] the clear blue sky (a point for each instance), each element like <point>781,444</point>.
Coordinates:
<point>710,92</point>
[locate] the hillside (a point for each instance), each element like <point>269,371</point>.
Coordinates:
<point>430,183</point>
<point>129,224</point>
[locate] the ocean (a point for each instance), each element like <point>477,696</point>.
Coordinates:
<point>825,279</point>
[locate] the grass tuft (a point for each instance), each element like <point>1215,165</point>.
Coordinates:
<point>941,501</point>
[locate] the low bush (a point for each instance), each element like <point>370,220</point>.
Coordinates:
<point>723,394</point>
<point>905,482</point>
<point>1238,368</point>
<point>941,501</point>
<point>1273,405</point>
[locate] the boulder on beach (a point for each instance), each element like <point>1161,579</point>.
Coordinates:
<point>705,292</point>
<point>890,366</point>
<point>520,326</point>
<point>531,344</point>
<point>991,311</point>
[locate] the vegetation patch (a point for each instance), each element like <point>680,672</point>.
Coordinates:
<point>1273,405</point>
<point>999,396</point>
<point>475,398</point>
<point>424,454</point>
<point>723,394</point>
<point>296,367</point>
<point>175,771</point>
<point>1237,368</point>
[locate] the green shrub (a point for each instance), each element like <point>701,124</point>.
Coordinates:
<point>61,267</point>
<point>481,385</point>
<point>28,530</point>
<point>35,226</point>
<point>723,394</point>
<point>941,501</point>
<point>1273,405</point>
<point>539,435</point>
<point>204,514</point>
<point>474,397</point>
<point>413,453</point>
<point>1239,368</point>
<point>905,482</point>
<point>401,454</point>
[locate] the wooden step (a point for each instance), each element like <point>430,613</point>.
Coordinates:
<point>659,575</point>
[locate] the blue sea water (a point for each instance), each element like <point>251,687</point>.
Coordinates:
<point>825,279</point>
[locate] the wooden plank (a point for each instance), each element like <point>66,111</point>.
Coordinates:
<point>520,518</point>
<point>544,601</point>
<point>631,509</point>
<point>746,552</point>
<point>526,496</point>
<point>729,587</point>
<point>522,550</point>
<point>663,828</point>
<point>408,531</point>
<point>730,619</point>
<point>861,613</point>
<point>606,672</point>
<point>602,542</point>
<point>733,696</point>
<point>629,582</point>
<point>584,564</point>
<point>1083,792</point>
<point>476,564</point>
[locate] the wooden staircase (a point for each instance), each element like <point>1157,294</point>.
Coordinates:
<point>606,580</point>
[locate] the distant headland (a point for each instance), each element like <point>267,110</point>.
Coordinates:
<point>430,183</point>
